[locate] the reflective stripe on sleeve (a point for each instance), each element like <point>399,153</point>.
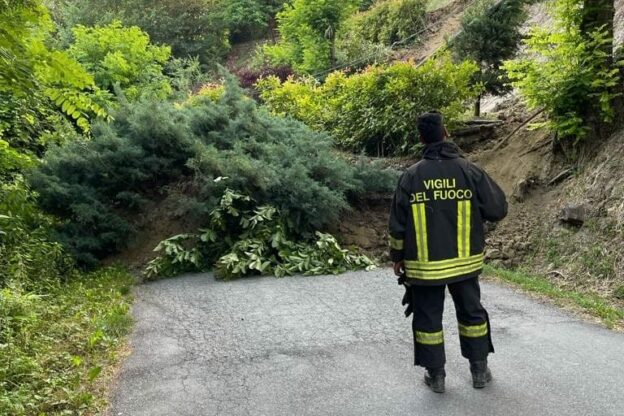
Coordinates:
<point>396,244</point>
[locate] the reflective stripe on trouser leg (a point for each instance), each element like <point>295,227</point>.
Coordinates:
<point>429,349</point>
<point>475,340</point>
<point>474,324</point>
<point>428,302</point>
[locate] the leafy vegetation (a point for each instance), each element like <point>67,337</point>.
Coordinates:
<point>308,31</point>
<point>36,81</point>
<point>490,34</point>
<point>371,34</point>
<point>375,110</point>
<point>243,238</point>
<point>568,71</point>
<point>90,183</point>
<point>120,57</point>
<point>59,328</point>
<point>193,28</point>
<point>58,339</point>
<point>389,21</point>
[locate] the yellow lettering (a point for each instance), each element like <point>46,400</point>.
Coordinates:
<point>428,184</point>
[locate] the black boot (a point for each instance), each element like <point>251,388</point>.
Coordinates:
<point>481,374</point>
<point>434,378</point>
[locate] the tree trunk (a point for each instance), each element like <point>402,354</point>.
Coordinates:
<point>477,106</point>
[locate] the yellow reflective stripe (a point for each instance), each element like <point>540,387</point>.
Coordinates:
<point>460,229</point>
<point>396,244</point>
<point>429,338</point>
<point>473,331</point>
<point>416,215</point>
<point>420,226</point>
<point>467,226</point>
<point>463,228</point>
<point>443,274</point>
<point>443,264</point>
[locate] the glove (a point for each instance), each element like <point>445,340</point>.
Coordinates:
<point>407,298</point>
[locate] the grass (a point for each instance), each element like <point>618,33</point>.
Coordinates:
<point>433,5</point>
<point>59,344</point>
<point>609,314</point>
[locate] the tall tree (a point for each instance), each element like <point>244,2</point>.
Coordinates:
<point>490,35</point>
<point>597,17</point>
<point>308,33</point>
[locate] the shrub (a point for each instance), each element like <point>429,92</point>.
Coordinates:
<point>122,57</point>
<point>96,185</point>
<point>248,77</point>
<point>57,340</point>
<point>243,239</point>
<point>308,30</point>
<point>28,256</point>
<point>568,72</point>
<point>389,21</point>
<point>375,110</point>
<point>37,82</point>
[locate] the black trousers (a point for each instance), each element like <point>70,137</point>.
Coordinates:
<point>474,325</point>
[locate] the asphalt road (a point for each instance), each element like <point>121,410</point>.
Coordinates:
<point>339,345</point>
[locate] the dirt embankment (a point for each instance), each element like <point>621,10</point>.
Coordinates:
<point>566,221</point>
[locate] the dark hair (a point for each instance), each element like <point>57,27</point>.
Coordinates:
<point>431,127</point>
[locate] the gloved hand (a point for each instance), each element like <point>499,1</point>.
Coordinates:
<point>407,298</point>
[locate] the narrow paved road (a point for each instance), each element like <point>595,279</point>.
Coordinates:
<point>339,345</point>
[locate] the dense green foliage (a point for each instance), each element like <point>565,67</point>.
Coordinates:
<point>58,327</point>
<point>250,19</point>
<point>36,82</point>
<point>567,71</point>
<point>375,110</point>
<point>242,238</point>
<point>370,35</point>
<point>490,35</point>
<point>122,57</point>
<point>308,31</point>
<point>57,339</point>
<point>389,21</point>
<point>191,27</point>
<point>90,183</point>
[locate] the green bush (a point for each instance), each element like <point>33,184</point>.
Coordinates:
<point>308,30</point>
<point>243,239</point>
<point>122,57</point>
<point>568,72</point>
<point>96,185</point>
<point>375,110</point>
<point>28,256</point>
<point>193,28</point>
<point>37,82</point>
<point>56,339</point>
<point>389,21</point>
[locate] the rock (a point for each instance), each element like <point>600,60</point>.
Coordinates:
<point>493,254</point>
<point>575,214</point>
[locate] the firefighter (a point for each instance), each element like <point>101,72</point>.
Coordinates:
<point>437,241</point>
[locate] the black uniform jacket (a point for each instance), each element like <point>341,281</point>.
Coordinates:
<point>436,221</point>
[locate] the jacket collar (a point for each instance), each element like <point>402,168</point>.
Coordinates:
<point>441,151</point>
